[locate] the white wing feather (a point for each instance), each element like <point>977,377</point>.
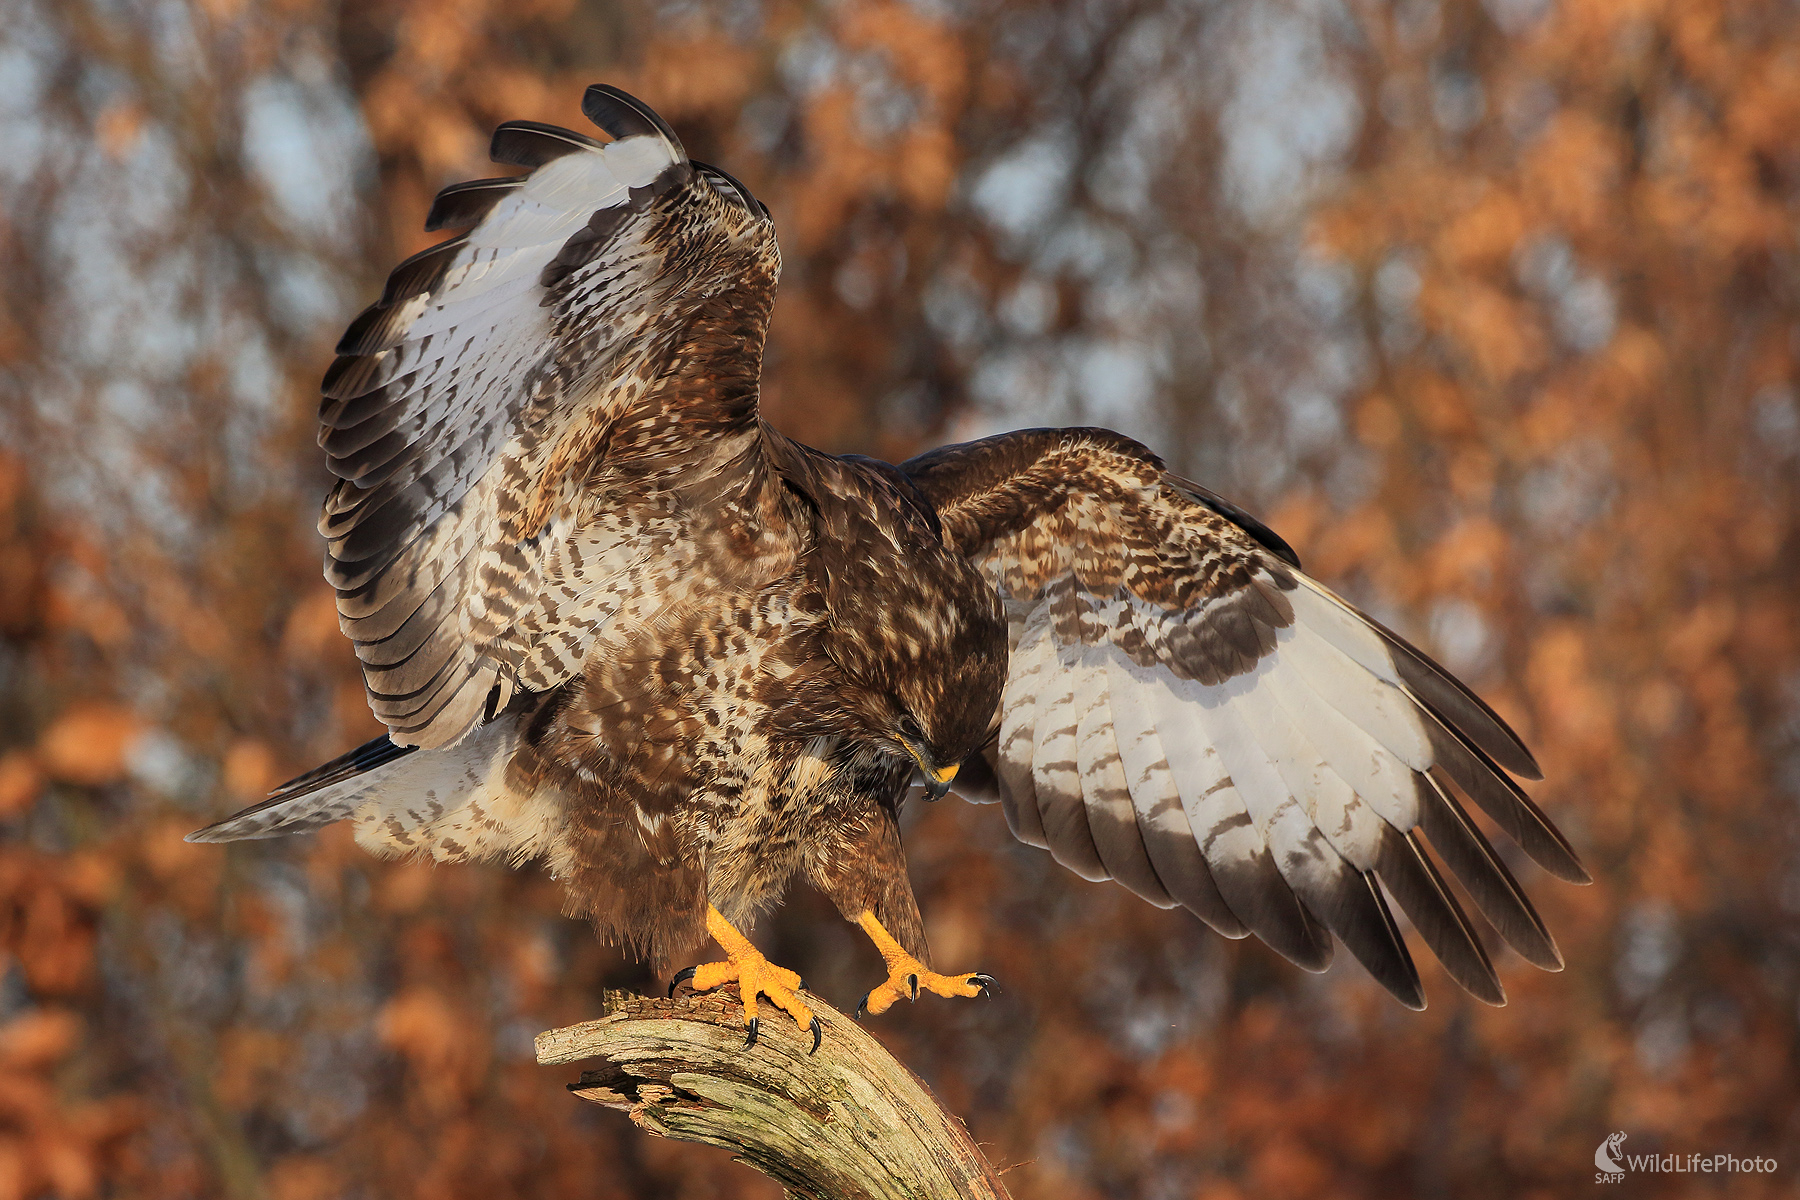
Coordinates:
<point>1252,713</point>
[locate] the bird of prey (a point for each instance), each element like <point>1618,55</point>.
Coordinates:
<point>617,624</point>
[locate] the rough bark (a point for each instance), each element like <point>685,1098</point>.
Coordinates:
<point>847,1123</point>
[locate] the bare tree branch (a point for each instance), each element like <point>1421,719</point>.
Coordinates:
<point>847,1123</point>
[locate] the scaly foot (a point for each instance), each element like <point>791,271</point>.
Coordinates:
<point>755,976</point>
<point>907,975</point>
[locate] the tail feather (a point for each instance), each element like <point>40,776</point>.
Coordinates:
<point>452,804</point>
<point>312,800</point>
<point>366,757</point>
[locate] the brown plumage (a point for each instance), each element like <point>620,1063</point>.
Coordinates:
<point>617,624</point>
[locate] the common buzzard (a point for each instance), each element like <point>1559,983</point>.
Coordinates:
<point>616,623</point>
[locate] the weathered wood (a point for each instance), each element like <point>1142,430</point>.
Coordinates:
<point>848,1123</point>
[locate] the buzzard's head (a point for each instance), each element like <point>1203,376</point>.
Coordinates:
<point>945,672</point>
<point>921,642</point>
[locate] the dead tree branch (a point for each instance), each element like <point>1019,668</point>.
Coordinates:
<point>847,1123</point>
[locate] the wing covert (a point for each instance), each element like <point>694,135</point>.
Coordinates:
<point>1189,713</point>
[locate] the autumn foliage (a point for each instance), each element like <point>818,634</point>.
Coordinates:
<point>1491,308</point>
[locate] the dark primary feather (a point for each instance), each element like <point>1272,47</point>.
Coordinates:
<point>1459,708</point>
<point>376,328</point>
<point>1408,872</point>
<point>532,143</point>
<point>624,115</point>
<point>1472,860</point>
<point>1253,887</point>
<point>463,204</point>
<point>1352,907</point>
<point>742,193</point>
<point>421,273</point>
<point>1486,784</point>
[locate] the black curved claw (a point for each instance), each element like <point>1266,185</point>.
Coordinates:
<point>984,981</point>
<point>862,1006</point>
<point>754,1029</point>
<point>912,981</point>
<point>681,977</point>
<point>801,986</point>
<point>818,1032</point>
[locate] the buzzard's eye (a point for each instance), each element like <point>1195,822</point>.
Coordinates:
<point>909,727</point>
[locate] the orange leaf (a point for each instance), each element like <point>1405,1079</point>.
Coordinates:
<point>21,779</point>
<point>39,1038</point>
<point>88,744</point>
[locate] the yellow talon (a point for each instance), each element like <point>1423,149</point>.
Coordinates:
<point>755,975</point>
<point>907,976</point>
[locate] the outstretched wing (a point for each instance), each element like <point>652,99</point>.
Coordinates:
<point>610,304</point>
<point>1188,713</point>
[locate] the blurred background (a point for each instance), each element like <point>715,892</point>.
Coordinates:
<point>1491,307</point>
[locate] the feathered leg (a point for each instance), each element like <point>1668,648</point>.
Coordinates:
<point>907,975</point>
<point>860,866</point>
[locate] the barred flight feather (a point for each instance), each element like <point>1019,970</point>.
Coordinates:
<point>1168,837</point>
<point>1055,779</point>
<point>1111,819</point>
<point>1030,662</point>
<point>1234,847</point>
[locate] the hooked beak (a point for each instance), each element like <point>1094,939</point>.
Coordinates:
<point>937,779</point>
